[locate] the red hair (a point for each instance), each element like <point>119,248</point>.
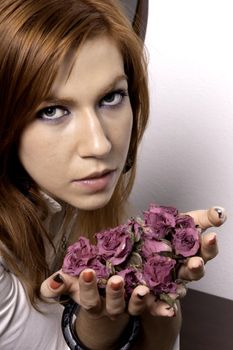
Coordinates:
<point>36,38</point>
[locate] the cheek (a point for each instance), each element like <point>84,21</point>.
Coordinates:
<point>123,132</point>
<point>28,147</point>
<point>35,150</point>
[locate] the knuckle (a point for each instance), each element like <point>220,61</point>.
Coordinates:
<point>195,276</point>
<point>115,307</point>
<point>89,303</point>
<point>210,256</point>
<point>116,311</point>
<point>114,294</point>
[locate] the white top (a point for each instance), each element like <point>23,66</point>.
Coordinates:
<point>21,326</point>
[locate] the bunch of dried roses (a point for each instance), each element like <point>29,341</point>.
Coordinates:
<point>145,250</point>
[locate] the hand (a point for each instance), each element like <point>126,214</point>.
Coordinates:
<point>104,332</point>
<point>193,269</point>
<point>87,295</point>
<point>85,292</point>
<point>101,320</point>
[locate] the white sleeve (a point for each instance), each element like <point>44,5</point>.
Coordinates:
<point>177,344</point>
<point>21,326</point>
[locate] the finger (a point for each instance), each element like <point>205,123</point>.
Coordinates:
<point>137,302</point>
<point>115,300</point>
<point>214,216</point>
<point>161,308</point>
<point>57,284</point>
<point>181,290</point>
<point>192,270</point>
<point>89,297</point>
<point>209,246</point>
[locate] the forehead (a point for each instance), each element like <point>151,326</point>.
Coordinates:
<point>95,64</point>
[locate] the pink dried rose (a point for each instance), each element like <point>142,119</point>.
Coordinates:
<point>135,227</point>
<point>102,270</point>
<point>143,251</point>
<point>79,256</point>
<point>115,245</point>
<point>158,271</point>
<point>185,221</point>
<point>185,238</point>
<point>186,241</point>
<point>160,219</point>
<point>165,288</point>
<point>132,277</point>
<point>153,245</point>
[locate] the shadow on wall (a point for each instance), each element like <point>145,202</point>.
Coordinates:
<point>137,12</point>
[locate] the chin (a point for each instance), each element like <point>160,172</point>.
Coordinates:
<point>94,202</point>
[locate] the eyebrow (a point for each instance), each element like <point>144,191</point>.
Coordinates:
<point>72,102</point>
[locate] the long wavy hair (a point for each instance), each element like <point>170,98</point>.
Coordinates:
<point>36,38</point>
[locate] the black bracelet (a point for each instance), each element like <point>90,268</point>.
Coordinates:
<point>74,343</point>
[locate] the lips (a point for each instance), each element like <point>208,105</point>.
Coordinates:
<point>96,175</point>
<point>96,182</point>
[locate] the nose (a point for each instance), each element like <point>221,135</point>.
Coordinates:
<point>93,141</point>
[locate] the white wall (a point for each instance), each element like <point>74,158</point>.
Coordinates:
<point>186,158</point>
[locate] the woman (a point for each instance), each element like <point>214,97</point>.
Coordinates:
<point>74,106</point>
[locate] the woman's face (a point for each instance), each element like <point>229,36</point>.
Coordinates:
<point>76,147</point>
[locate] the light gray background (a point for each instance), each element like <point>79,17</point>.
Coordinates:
<point>186,157</point>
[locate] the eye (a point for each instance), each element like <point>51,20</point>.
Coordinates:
<point>53,113</point>
<point>114,98</point>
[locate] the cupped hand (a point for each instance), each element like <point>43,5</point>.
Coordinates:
<point>85,292</point>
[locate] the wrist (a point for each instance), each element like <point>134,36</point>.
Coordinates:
<point>98,333</point>
<point>158,332</point>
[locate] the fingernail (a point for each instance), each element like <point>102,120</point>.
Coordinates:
<point>220,212</point>
<point>141,294</point>
<point>170,312</point>
<point>56,281</point>
<point>212,240</point>
<point>116,285</point>
<point>197,264</point>
<point>88,276</point>
<point>175,313</point>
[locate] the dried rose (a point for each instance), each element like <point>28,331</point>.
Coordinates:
<point>79,256</point>
<point>135,228</point>
<point>132,278</point>
<point>103,271</point>
<point>186,241</point>
<point>141,251</point>
<point>115,245</point>
<point>158,270</point>
<point>160,219</point>
<point>165,288</point>
<point>185,221</point>
<point>152,245</point>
